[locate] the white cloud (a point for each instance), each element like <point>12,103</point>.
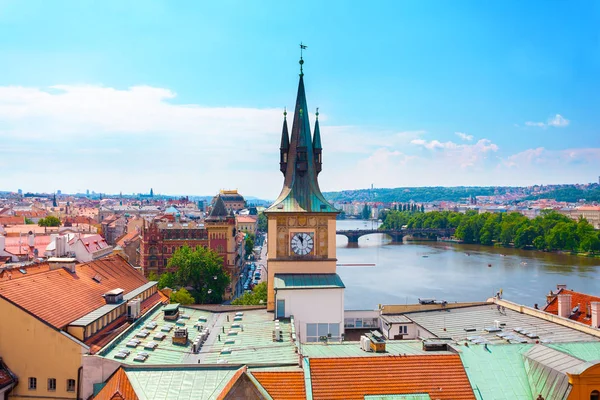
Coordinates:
<point>558,121</point>
<point>464,136</point>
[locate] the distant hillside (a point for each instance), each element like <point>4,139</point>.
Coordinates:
<point>417,194</point>
<point>570,194</point>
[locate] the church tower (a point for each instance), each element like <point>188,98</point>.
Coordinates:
<point>301,253</point>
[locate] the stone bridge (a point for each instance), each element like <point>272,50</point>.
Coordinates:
<point>397,234</point>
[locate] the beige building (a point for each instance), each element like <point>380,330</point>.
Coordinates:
<point>590,213</point>
<point>246,223</point>
<point>54,315</point>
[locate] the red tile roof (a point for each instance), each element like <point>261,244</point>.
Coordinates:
<point>92,243</point>
<point>19,245</point>
<point>7,220</point>
<point>15,273</point>
<point>576,298</point>
<point>60,297</point>
<point>283,384</point>
<point>442,376</point>
<point>127,238</point>
<point>6,375</point>
<point>117,386</point>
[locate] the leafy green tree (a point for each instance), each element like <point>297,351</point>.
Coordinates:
<point>153,276</point>
<point>525,236</point>
<point>49,221</point>
<point>28,221</point>
<point>366,212</point>
<point>202,270</point>
<point>262,222</point>
<point>257,296</point>
<point>562,237</point>
<point>249,244</point>
<point>167,280</point>
<point>182,296</point>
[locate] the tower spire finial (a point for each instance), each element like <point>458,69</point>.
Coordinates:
<point>317,113</point>
<point>284,112</point>
<point>302,47</point>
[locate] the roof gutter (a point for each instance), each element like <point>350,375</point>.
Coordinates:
<point>307,378</point>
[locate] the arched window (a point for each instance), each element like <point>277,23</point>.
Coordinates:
<point>595,395</point>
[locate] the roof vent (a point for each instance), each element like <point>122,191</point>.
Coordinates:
<point>97,278</point>
<point>434,345</point>
<point>115,296</point>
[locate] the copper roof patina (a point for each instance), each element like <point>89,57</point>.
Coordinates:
<point>301,191</point>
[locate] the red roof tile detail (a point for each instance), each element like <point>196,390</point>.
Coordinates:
<point>8,220</point>
<point>576,298</point>
<point>60,297</point>
<point>6,375</point>
<point>441,376</point>
<point>128,237</point>
<point>283,384</point>
<point>15,273</point>
<point>117,386</point>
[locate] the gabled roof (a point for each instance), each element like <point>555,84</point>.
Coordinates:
<point>576,298</point>
<point>7,377</point>
<point>218,211</point>
<point>441,376</point>
<point>117,386</point>
<point>59,297</point>
<point>285,385</point>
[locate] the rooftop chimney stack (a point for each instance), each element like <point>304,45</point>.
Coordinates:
<point>31,239</point>
<point>595,314</point>
<point>2,243</point>
<point>564,305</point>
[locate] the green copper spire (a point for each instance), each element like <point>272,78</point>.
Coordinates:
<point>317,136</point>
<point>301,192</point>
<point>285,144</point>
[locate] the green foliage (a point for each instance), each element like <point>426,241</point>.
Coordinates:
<point>249,243</point>
<point>366,212</point>
<point>28,221</point>
<point>167,280</point>
<point>50,220</point>
<point>262,222</point>
<point>153,276</point>
<point>202,270</point>
<point>550,231</point>
<point>182,296</point>
<point>569,194</point>
<point>256,297</point>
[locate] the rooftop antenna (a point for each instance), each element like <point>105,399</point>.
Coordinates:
<point>302,47</point>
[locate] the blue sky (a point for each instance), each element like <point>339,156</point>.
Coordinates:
<point>186,96</point>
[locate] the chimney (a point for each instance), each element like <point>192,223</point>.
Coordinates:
<point>564,305</point>
<point>2,243</point>
<point>561,286</point>
<point>31,239</point>
<point>550,296</point>
<point>595,314</point>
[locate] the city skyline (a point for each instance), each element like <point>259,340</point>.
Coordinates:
<point>189,98</point>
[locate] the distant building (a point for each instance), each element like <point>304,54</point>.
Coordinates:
<point>232,199</point>
<point>590,213</point>
<point>246,223</point>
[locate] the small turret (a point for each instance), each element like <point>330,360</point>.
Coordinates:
<point>285,145</point>
<point>317,148</point>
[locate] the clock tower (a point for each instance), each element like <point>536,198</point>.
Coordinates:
<point>301,254</point>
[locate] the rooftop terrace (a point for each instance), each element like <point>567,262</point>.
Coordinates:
<point>231,339</point>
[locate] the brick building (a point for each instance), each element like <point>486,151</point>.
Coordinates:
<point>165,234</point>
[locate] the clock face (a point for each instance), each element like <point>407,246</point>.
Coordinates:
<point>302,243</point>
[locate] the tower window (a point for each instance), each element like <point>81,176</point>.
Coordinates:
<point>32,383</point>
<point>595,395</point>
<point>70,385</point>
<point>51,384</point>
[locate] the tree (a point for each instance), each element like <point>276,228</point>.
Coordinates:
<point>256,297</point>
<point>153,276</point>
<point>366,212</point>
<point>28,221</point>
<point>182,296</point>
<point>249,244</point>
<point>262,222</point>
<point>50,220</point>
<point>202,270</point>
<point>166,280</point>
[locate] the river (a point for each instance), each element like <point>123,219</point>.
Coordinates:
<point>402,273</point>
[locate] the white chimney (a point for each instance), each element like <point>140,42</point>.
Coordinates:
<point>595,314</point>
<point>2,243</point>
<point>564,305</point>
<point>31,239</point>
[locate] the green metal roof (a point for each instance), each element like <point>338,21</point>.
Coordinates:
<point>252,343</point>
<point>178,383</point>
<point>171,307</point>
<point>498,372</point>
<point>413,396</point>
<point>307,281</point>
<point>587,351</point>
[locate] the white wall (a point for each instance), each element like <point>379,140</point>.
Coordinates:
<point>313,306</point>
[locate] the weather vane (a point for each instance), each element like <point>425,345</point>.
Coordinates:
<point>302,47</point>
